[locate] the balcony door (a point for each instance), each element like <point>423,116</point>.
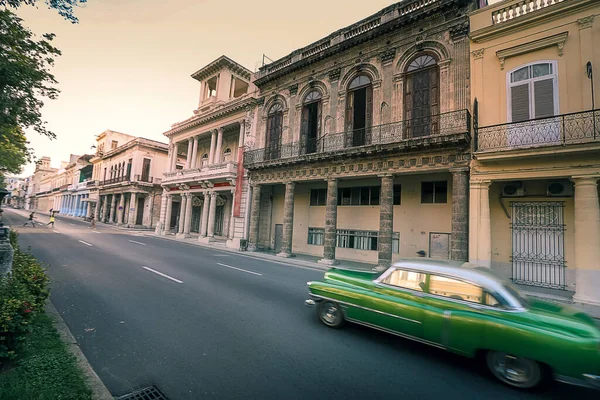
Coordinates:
<point>274,129</point>
<point>359,112</point>
<point>421,97</point>
<point>146,170</point>
<point>311,122</point>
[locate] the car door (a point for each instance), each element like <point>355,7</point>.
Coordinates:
<point>454,313</point>
<point>396,304</point>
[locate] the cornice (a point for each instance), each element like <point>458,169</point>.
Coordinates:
<point>139,142</point>
<point>554,40</point>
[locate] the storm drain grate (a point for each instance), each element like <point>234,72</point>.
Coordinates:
<point>149,393</point>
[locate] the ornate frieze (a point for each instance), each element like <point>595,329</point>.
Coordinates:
<point>293,89</point>
<point>387,56</point>
<point>334,74</point>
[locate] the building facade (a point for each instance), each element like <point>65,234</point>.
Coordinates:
<point>205,188</point>
<point>43,170</point>
<point>362,144</point>
<point>126,177</point>
<point>535,214</point>
<point>17,190</point>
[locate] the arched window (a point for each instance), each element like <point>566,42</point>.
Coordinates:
<point>227,155</point>
<point>359,111</point>
<point>310,129</point>
<point>204,159</point>
<point>422,96</point>
<point>274,129</point>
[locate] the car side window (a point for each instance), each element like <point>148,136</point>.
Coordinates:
<point>491,301</point>
<point>406,279</point>
<point>455,289</point>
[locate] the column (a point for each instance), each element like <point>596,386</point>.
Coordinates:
<point>113,206</point>
<point>288,220</point>
<point>213,143</point>
<point>587,240</point>
<point>148,211</point>
<point>212,214</point>
<point>195,153</point>
<point>182,208</point>
<point>132,209</point>
<point>330,223</point>
<point>88,207</point>
<point>386,221</point>
<point>219,149</point>
<point>459,245</point>
<point>205,209</point>
<point>188,157</point>
<point>480,231</point>
<point>174,159</point>
<point>231,217</point>
<point>254,218</point>
<point>78,207</point>
<point>188,214</point>
<point>167,224</point>
<point>97,209</point>
<point>121,212</point>
<point>103,213</point>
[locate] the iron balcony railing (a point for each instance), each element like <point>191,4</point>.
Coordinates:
<point>409,132</point>
<point>147,179</point>
<point>118,179</point>
<point>574,128</point>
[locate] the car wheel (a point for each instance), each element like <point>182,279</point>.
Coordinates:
<point>330,314</point>
<point>518,372</point>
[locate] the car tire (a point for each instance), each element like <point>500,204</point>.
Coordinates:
<point>330,314</point>
<point>518,372</point>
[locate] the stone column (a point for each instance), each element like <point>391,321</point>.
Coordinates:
<point>174,159</point>
<point>587,240</point>
<point>213,143</point>
<point>386,221</point>
<point>205,210</point>
<point>188,157</point>
<point>330,223</point>
<point>219,148</point>
<point>113,206</point>
<point>254,218</point>
<point>167,224</point>
<point>231,218</point>
<point>195,153</point>
<point>132,209</point>
<point>459,248</point>
<point>211,215</point>
<point>182,208</point>
<point>480,232</point>
<point>121,212</point>
<point>188,214</point>
<point>88,207</point>
<point>288,220</point>
<point>97,209</point>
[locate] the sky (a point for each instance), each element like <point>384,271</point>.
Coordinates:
<point>126,66</point>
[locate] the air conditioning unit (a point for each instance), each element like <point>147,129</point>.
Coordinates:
<point>513,189</point>
<point>559,189</point>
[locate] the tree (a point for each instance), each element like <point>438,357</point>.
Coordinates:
<point>64,7</point>
<point>14,152</point>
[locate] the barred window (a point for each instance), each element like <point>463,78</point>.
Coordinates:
<point>360,240</point>
<point>315,236</point>
<point>396,242</point>
<point>359,196</point>
<point>318,197</point>
<point>397,195</point>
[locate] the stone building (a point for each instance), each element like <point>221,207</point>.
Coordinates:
<point>42,170</point>
<point>362,142</point>
<point>535,213</point>
<point>127,173</point>
<point>205,187</point>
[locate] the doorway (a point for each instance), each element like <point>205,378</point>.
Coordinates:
<point>139,218</point>
<point>278,237</point>
<point>219,219</point>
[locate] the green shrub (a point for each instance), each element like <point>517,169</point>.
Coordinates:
<point>13,238</point>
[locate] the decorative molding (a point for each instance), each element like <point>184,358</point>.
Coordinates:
<point>420,41</point>
<point>387,56</point>
<point>460,31</point>
<point>477,54</point>
<point>293,89</point>
<point>586,22</point>
<point>554,40</point>
<point>334,74</point>
<point>260,101</point>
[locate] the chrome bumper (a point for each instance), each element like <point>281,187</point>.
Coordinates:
<point>592,380</point>
<point>309,303</point>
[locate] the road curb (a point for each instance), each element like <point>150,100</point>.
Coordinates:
<point>93,381</point>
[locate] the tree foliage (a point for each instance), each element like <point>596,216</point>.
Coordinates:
<point>14,152</point>
<point>64,7</point>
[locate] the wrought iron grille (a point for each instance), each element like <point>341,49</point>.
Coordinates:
<point>582,127</point>
<point>451,123</point>
<point>538,244</point>
<point>115,180</point>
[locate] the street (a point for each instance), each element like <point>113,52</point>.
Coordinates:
<point>205,323</point>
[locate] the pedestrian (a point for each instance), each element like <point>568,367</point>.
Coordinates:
<point>31,221</point>
<point>51,220</point>
<point>92,222</point>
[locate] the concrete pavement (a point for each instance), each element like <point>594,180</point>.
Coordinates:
<point>204,323</point>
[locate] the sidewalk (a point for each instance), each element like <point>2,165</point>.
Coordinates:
<point>81,219</point>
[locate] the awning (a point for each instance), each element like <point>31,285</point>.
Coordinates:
<point>90,200</point>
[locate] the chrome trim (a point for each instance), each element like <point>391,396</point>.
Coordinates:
<point>309,303</point>
<point>584,382</point>
<point>367,309</point>
<point>593,380</point>
<point>447,315</point>
<point>418,293</point>
<point>403,335</point>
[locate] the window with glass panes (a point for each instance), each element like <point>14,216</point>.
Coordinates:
<point>434,192</point>
<point>316,236</point>
<point>359,240</point>
<point>359,196</point>
<point>397,195</point>
<point>318,197</point>
<point>532,92</point>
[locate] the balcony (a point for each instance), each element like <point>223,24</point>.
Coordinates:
<point>124,178</point>
<point>147,179</point>
<point>215,172</point>
<point>452,128</point>
<point>576,131</point>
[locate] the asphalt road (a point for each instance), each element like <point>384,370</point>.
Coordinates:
<point>227,326</point>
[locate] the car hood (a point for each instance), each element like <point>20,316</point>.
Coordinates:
<point>563,317</point>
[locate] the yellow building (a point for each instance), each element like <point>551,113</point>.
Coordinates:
<point>534,210</point>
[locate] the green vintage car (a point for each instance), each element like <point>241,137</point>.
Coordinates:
<point>467,310</point>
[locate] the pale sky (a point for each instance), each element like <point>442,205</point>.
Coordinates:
<point>126,66</point>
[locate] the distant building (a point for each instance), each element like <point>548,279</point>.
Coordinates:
<point>42,171</point>
<point>17,188</point>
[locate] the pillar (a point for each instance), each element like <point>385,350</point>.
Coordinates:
<point>587,240</point>
<point>103,213</point>
<point>188,214</point>
<point>254,218</point>
<point>88,207</point>
<point>288,220</point>
<point>97,209</point>
<point>480,231</point>
<point>132,209</point>
<point>213,143</point>
<point>121,212</point>
<point>195,153</point>
<point>459,245</point>
<point>231,217</point>
<point>219,148</point>
<point>386,221</point>
<point>174,159</point>
<point>330,238</point>
<point>188,157</point>
<point>182,208</point>
<point>205,209</point>
<point>113,206</point>
<point>167,222</point>
<point>211,215</point>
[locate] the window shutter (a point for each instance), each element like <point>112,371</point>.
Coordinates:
<point>519,96</point>
<point>544,98</point>
<point>304,127</point>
